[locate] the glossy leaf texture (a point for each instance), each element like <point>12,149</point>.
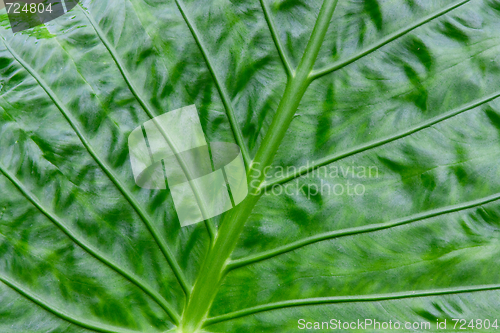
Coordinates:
<point>406,89</point>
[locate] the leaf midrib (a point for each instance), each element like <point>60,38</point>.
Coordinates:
<point>316,74</point>
<point>213,269</point>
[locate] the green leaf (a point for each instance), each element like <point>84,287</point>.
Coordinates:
<point>396,103</point>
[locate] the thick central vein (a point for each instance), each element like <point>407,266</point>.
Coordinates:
<point>214,266</point>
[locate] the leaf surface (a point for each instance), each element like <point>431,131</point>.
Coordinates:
<point>398,98</point>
